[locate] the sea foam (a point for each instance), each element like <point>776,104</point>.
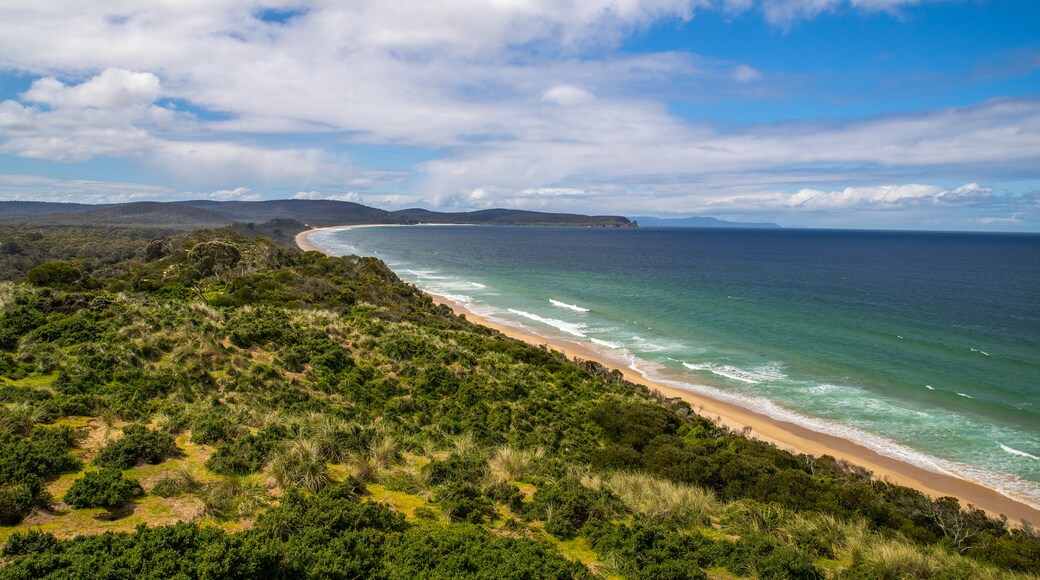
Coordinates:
<point>606,343</point>
<point>1014,451</point>
<point>569,327</point>
<point>573,307</point>
<point>752,376</point>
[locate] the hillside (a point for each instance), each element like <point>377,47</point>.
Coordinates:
<point>28,209</point>
<point>146,213</point>
<point>316,213</point>
<point>229,407</point>
<point>512,217</point>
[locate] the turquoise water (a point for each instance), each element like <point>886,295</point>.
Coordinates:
<point>922,346</point>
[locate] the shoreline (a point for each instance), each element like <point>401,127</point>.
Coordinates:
<point>785,435</point>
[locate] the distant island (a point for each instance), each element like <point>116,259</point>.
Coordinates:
<point>698,222</point>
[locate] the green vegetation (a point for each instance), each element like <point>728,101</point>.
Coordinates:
<point>105,488</point>
<point>255,411</point>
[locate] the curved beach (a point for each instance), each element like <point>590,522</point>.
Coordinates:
<point>785,435</point>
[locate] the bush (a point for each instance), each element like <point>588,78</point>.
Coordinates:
<point>16,502</point>
<point>464,502</point>
<point>30,542</point>
<point>566,506</point>
<point>137,444</point>
<point>105,488</point>
<point>54,274</point>
<point>212,426</point>
<point>243,456</point>
<point>213,257</point>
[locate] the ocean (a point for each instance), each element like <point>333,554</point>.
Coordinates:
<point>922,346</point>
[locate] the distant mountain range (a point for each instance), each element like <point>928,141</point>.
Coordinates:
<point>513,217</point>
<point>698,222</point>
<point>315,213</point>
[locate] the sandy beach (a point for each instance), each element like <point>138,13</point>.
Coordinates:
<point>784,435</point>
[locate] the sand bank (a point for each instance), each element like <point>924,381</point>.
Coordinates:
<point>784,435</point>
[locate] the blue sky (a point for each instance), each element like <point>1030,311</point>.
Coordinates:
<point>920,114</point>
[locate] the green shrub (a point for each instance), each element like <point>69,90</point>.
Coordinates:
<point>213,257</point>
<point>105,488</point>
<point>30,542</point>
<point>462,501</point>
<point>506,493</point>
<point>54,274</point>
<point>566,506</point>
<point>16,502</point>
<point>211,426</point>
<point>137,444</point>
<point>245,455</point>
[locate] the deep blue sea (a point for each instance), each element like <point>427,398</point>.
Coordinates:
<point>922,346</point>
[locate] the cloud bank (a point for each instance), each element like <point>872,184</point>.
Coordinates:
<point>520,104</point>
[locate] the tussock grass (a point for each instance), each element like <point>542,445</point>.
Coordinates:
<point>7,292</point>
<point>508,464</point>
<point>19,418</point>
<point>182,480</point>
<point>464,444</point>
<point>299,463</point>
<point>672,504</point>
<point>233,498</point>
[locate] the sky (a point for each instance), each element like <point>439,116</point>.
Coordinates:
<point>886,114</point>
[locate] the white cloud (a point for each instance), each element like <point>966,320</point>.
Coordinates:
<point>883,197</point>
<point>113,88</point>
<point>351,196</point>
<point>237,194</point>
<point>571,124</point>
<point>39,188</point>
<point>745,74</point>
<point>566,95</point>
<point>786,12</point>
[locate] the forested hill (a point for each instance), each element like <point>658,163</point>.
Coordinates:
<point>214,404</point>
<point>315,213</point>
<point>513,217</point>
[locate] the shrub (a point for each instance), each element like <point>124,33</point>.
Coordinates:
<point>137,444</point>
<point>54,274</point>
<point>16,502</point>
<point>463,502</point>
<point>506,493</point>
<point>213,257</point>
<point>245,455</point>
<point>213,425</point>
<point>30,542</point>
<point>105,488</point>
<point>566,506</point>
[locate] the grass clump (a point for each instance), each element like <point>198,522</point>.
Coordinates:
<point>674,504</point>
<point>300,464</point>
<point>180,482</point>
<point>510,464</point>
<point>233,498</point>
